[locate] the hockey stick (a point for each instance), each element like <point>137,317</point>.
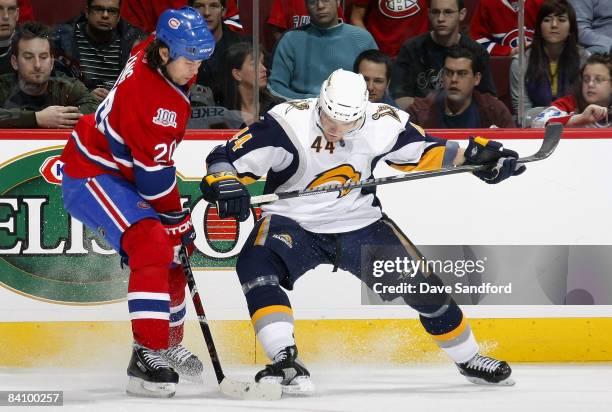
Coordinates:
<point>549,143</point>
<point>231,388</point>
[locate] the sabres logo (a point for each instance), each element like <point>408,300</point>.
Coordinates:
<point>285,238</point>
<point>338,175</point>
<point>297,104</point>
<point>385,110</point>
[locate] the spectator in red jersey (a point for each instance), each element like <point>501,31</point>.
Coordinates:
<point>144,13</point>
<point>391,22</point>
<point>25,11</point>
<point>494,25</point>
<point>290,14</point>
<point>591,103</point>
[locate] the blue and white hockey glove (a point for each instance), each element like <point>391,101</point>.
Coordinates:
<point>481,151</point>
<point>228,193</point>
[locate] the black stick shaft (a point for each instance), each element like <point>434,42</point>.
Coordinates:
<point>197,303</point>
<point>549,143</point>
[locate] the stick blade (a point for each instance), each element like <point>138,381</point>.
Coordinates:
<point>552,135</point>
<point>251,390</point>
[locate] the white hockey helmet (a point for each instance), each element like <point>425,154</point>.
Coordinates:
<point>344,96</point>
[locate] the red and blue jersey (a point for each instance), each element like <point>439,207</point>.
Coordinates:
<point>495,24</point>
<point>134,133</point>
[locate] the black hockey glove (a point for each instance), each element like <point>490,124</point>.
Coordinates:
<point>180,229</point>
<point>481,151</point>
<point>231,197</point>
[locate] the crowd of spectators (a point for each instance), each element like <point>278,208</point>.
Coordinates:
<point>422,56</point>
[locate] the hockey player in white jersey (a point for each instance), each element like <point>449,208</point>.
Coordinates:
<point>337,138</point>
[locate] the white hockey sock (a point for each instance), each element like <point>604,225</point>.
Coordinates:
<point>275,337</point>
<point>464,351</point>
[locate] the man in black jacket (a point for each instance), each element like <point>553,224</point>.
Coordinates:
<point>100,42</point>
<point>416,71</point>
<point>209,75</point>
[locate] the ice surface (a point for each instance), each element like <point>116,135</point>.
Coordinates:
<point>419,388</point>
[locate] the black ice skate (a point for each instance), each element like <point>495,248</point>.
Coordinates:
<point>183,361</point>
<point>150,375</point>
<point>483,370</point>
<point>287,370</point>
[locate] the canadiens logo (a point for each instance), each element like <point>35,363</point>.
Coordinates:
<point>398,9</point>
<point>385,110</point>
<point>174,23</point>
<point>143,205</point>
<point>165,118</point>
<point>297,104</point>
<point>512,38</point>
<point>338,175</point>
<point>285,238</point>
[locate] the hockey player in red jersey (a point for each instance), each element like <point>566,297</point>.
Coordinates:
<point>120,180</point>
<point>338,138</point>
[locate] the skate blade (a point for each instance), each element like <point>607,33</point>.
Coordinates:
<point>302,385</point>
<point>251,390</point>
<point>141,388</point>
<point>197,379</point>
<point>480,381</point>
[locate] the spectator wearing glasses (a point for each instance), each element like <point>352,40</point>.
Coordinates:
<point>458,105</point>
<point>100,41</point>
<point>306,56</point>
<point>417,70</point>
<point>591,102</point>
<point>391,22</point>
<point>31,98</point>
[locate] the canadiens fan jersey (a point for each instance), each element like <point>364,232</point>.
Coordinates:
<point>290,150</point>
<point>134,133</point>
<point>495,24</point>
<point>561,111</point>
<point>392,23</point>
